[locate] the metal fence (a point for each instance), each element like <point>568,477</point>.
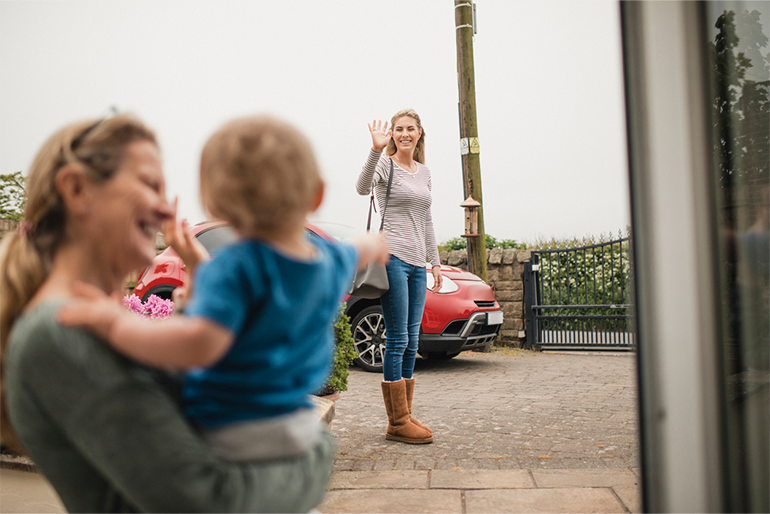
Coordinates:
<point>580,298</point>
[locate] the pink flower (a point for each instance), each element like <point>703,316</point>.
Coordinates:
<point>157,307</point>
<point>133,303</point>
<point>154,308</point>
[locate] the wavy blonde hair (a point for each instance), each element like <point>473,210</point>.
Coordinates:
<point>419,149</point>
<point>97,147</point>
<point>259,174</point>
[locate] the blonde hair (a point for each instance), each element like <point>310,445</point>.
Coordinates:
<point>419,149</point>
<point>259,174</point>
<point>98,148</point>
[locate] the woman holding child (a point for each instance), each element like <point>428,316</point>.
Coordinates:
<point>408,230</point>
<point>105,433</point>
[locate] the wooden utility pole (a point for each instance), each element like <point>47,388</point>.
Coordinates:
<point>469,136</point>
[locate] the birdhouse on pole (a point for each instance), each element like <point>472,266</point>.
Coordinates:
<point>471,208</point>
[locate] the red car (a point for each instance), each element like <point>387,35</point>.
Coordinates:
<point>167,272</point>
<point>462,316</point>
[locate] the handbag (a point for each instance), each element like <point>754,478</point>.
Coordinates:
<point>372,281</point>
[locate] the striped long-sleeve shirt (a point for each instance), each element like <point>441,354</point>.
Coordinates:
<point>408,223</point>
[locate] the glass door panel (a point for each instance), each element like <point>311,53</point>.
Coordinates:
<point>739,66</point>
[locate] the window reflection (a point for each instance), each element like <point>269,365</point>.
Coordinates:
<point>740,65</point>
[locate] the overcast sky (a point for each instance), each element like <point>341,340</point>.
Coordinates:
<point>549,93</point>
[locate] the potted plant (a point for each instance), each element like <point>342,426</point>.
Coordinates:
<point>344,353</point>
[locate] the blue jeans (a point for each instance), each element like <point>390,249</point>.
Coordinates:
<point>402,308</point>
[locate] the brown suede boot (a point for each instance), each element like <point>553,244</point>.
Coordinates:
<point>400,427</point>
<point>409,395</point>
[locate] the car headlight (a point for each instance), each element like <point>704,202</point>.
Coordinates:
<point>447,284</point>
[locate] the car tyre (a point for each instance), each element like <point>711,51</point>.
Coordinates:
<point>163,291</point>
<point>368,328</point>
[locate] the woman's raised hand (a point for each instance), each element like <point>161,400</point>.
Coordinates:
<point>380,135</point>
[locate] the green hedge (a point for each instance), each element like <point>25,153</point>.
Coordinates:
<point>587,276</point>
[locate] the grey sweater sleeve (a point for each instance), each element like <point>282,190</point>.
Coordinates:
<point>109,438</point>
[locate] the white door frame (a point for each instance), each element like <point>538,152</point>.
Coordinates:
<point>674,255</point>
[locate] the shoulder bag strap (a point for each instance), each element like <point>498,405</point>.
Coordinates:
<point>371,202</point>
<point>371,206</point>
<point>387,196</point>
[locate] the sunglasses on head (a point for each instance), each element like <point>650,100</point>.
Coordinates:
<point>111,113</point>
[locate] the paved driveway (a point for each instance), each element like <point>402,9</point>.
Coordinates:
<point>509,409</point>
<point>515,431</point>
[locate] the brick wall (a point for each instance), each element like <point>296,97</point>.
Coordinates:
<point>7,226</point>
<point>504,269</point>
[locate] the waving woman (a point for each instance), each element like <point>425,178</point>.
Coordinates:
<point>408,230</point>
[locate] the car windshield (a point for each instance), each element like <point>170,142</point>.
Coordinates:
<point>312,235</point>
<point>213,238</point>
<point>336,230</point>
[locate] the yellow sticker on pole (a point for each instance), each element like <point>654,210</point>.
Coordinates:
<point>469,145</point>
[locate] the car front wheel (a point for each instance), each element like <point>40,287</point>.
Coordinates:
<point>164,291</point>
<point>368,328</point>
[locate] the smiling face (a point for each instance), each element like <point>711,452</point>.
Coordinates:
<point>126,212</point>
<point>406,133</point>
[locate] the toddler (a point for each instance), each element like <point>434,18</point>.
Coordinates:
<point>256,336</point>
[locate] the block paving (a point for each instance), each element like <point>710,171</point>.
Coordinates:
<point>514,431</point>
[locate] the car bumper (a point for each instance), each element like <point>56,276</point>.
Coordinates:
<point>461,335</point>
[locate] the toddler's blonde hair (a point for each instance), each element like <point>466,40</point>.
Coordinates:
<point>259,174</point>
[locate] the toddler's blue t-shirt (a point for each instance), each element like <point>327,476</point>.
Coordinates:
<point>281,311</point>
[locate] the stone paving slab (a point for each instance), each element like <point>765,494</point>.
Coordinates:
<point>392,501</point>
<point>591,491</point>
<point>545,478</point>
<point>22,491</point>
<point>630,496</point>
<point>481,479</point>
<point>380,480</point>
<point>542,500</point>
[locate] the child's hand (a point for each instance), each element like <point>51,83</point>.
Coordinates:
<point>177,343</point>
<point>179,297</point>
<point>371,248</point>
<point>92,309</point>
<point>177,236</point>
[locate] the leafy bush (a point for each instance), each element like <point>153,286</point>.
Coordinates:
<point>505,244</point>
<point>590,275</point>
<point>594,271</point>
<point>461,243</point>
<point>13,196</point>
<point>344,354</point>
<point>575,242</point>
<point>456,243</point>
